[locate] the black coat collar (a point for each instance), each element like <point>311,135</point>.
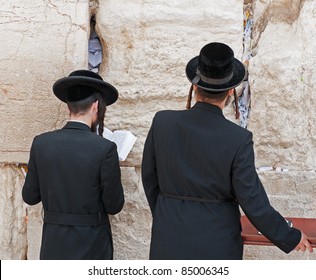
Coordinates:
<point>77,125</point>
<point>208,107</point>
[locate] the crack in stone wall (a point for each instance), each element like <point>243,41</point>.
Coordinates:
<point>57,6</point>
<point>94,48</point>
<point>244,94</point>
<point>93,7</point>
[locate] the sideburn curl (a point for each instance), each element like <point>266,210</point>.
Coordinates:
<point>101,113</point>
<point>188,106</point>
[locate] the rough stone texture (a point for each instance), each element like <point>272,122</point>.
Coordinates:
<point>34,231</point>
<point>44,40</point>
<point>146,45</point>
<point>13,241</point>
<point>282,72</point>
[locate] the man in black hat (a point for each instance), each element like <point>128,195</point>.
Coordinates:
<point>76,174</point>
<point>198,168</point>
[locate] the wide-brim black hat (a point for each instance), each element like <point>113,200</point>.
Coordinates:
<point>81,84</point>
<point>215,69</point>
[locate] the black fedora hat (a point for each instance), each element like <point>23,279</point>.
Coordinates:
<point>215,69</point>
<point>81,84</point>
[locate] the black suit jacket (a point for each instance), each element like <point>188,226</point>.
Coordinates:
<point>74,171</point>
<point>197,153</point>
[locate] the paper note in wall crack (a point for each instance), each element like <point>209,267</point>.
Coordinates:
<point>123,139</point>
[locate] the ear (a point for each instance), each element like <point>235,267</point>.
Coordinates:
<point>95,106</point>
<point>68,110</point>
<point>231,92</point>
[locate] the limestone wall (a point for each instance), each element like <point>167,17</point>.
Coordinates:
<point>282,75</point>
<point>146,45</point>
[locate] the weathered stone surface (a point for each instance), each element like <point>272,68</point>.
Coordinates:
<point>13,241</point>
<point>34,231</point>
<point>149,43</point>
<point>44,40</point>
<point>281,75</point>
<point>293,193</point>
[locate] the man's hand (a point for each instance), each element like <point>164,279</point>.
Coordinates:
<point>304,244</point>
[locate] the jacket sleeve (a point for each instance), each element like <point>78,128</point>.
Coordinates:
<point>254,201</point>
<point>149,170</point>
<point>111,187</point>
<point>31,190</point>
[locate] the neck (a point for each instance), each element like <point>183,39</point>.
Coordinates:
<point>221,104</point>
<point>81,118</point>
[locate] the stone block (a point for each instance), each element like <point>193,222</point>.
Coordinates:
<point>13,238</point>
<point>147,44</point>
<point>45,40</point>
<point>281,74</point>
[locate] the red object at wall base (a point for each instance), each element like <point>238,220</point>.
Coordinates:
<point>251,236</point>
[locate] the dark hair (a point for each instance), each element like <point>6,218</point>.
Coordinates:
<point>218,96</point>
<point>81,107</point>
<point>214,96</point>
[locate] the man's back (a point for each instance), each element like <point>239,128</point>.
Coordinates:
<point>74,172</point>
<point>196,148</point>
<point>197,169</point>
